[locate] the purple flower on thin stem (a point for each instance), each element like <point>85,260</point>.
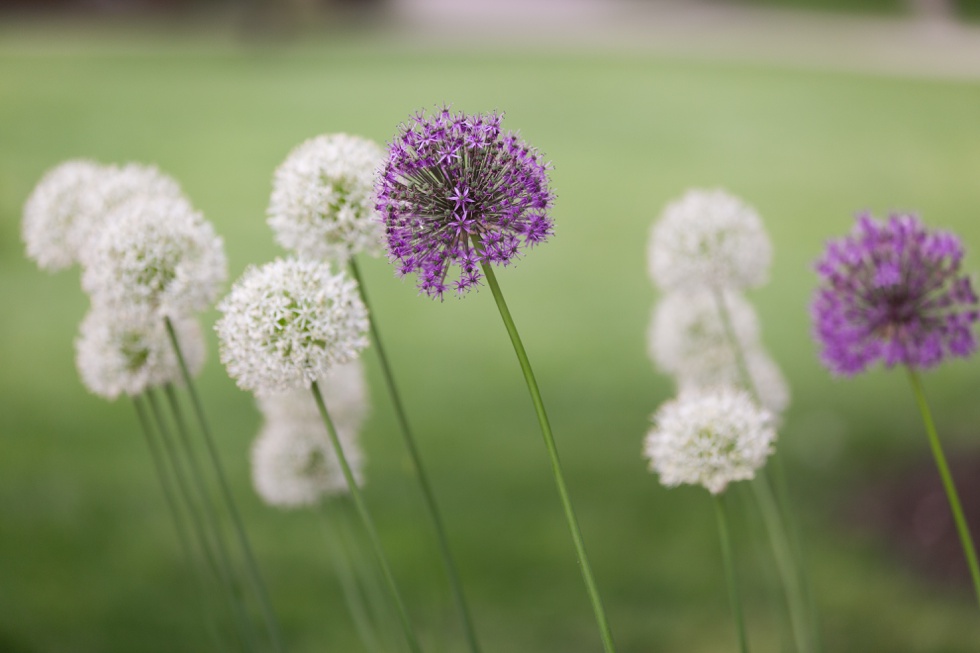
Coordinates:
<point>893,291</point>
<point>455,190</point>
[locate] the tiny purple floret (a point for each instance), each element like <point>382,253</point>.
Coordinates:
<point>893,291</point>
<point>455,190</point>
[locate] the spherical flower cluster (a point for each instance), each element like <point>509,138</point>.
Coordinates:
<point>709,438</point>
<point>68,209</point>
<point>55,212</point>
<point>127,352</point>
<point>322,203</point>
<point>285,324</point>
<point>156,252</point>
<point>709,238</point>
<point>456,190</point>
<point>688,339</point>
<point>293,459</point>
<point>892,291</point>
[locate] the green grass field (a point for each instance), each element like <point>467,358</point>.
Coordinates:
<point>88,558</point>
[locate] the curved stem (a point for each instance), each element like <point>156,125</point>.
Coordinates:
<point>549,441</point>
<point>355,493</point>
<point>423,479</point>
<point>962,528</point>
<point>253,568</point>
<point>728,561</point>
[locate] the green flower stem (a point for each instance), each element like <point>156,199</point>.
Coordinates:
<point>361,506</point>
<point>343,565</point>
<point>781,527</point>
<point>549,441</point>
<point>423,479</point>
<point>210,512</point>
<point>219,566</point>
<point>954,501</point>
<point>180,526</point>
<point>253,569</point>
<point>728,560</point>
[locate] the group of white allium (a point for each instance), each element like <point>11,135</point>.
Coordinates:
<point>296,321</point>
<point>147,256</point>
<point>704,250</point>
<point>150,261</point>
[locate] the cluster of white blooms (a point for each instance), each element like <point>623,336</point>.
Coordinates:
<point>688,338</point>
<point>159,253</point>
<point>706,248</point>
<point>145,254</point>
<point>293,459</point>
<point>322,203</point>
<point>709,238</point>
<point>709,438</point>
<point>126,352</point>
<point>286,323</point>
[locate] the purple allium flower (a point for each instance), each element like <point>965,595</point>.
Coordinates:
<point>456,190</point>
<point>893,291</point>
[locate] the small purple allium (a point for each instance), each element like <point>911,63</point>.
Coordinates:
<point>456,190</point>
<point>893,291</point>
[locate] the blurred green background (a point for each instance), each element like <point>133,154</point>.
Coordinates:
<point>88,557</point>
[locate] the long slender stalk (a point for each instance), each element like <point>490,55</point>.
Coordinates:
<point>343,566</point>
<point>427,492</point>
<point>223,557</point>
<point>781,527</point>
<point>549,441</point>
<point>219,571</point>
<point>372,533</point>
<point>180,526</point>
<point>258,583</point>
<point>728,560</point>
<point>962,528</point>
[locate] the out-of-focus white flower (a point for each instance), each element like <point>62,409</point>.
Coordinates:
<point>66,213</point>
<point>687,339</point>
<point>127,352</point>
<point>158,253</point>
<point>285,324</point>
<point>709,438</point>
<point>322,203</point>
<point>51,227</point>
<point>709,238</point>
<point>293,460</point>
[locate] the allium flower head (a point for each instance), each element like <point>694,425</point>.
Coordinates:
<point>159,253</point>
<point>285,324</point>
<point>293,460</point>
<point>456,190</point>
<point>322,203</point>
<point>688,340</point>
<point>295,466</point>
<point>709,238</point>
<point>127,352</point>
<point>53,213</point>
<point>709,438</point>
<point>893,291</point>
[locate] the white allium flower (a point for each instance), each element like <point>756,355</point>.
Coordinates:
<point>126,352</point>
<point>709,438</point>
<point>53,214</point>
<point>285,324</point>
<point>688,340</point>
<point>156,252</point>
<point>293,466</point>
<point>322,203</point>
<point>687,334</point>
<point>709,238</point>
